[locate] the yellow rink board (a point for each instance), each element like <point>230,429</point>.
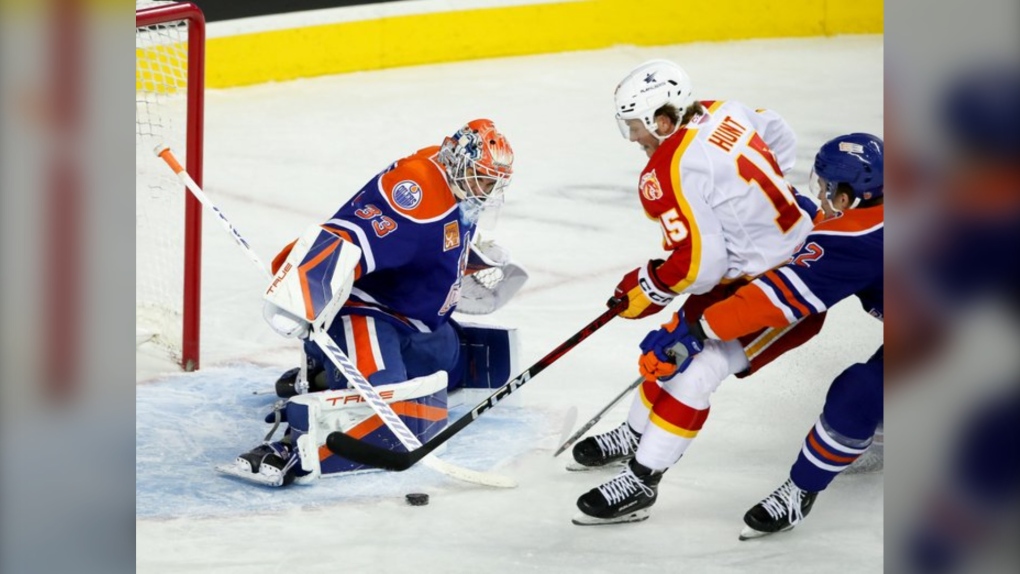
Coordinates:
<point>520,30</point>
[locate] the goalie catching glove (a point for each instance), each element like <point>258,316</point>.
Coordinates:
<point>311,284</point>
<point>490,280</point>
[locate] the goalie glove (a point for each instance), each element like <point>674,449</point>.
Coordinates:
<point>312,284</point>
<point>285,323</point>
<point>485,254</point>
<point>490,280</point>
<point>486,291</point>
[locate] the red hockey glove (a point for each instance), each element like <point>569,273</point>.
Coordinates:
<point>670,349</point>
<point>644,292</point>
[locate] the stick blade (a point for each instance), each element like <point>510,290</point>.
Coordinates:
<point>568,425</point>
<point>351,448</point>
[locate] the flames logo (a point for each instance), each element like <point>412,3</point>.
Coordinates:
<point>649,187</point>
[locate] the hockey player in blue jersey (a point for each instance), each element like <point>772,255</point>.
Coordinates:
<point>411,229</point>
<point>841,257</point>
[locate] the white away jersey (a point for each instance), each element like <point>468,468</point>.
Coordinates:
<point>716,186</point>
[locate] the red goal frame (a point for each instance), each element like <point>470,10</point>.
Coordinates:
<point>192,14</point>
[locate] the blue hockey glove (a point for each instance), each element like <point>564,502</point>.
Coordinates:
<point>670,349</point>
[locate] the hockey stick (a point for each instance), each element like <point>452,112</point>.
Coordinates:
<point>334,353</point>
<point>597,417</point>
<point>351,448</point>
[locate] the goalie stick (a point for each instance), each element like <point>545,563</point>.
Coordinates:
<point>333,352</point>
<point>595,419</point>
<point>351,448</point>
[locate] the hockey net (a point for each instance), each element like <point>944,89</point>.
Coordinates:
<point>169,92</point>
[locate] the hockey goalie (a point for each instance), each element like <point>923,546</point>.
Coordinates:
<point>380,279</point>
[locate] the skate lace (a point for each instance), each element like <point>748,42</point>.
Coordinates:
<point>785,500</point>
<point>616,441</point>
<point>625,484</point>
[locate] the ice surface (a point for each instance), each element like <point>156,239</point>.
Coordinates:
<point>283,156</point>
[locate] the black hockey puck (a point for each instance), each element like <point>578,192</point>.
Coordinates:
<point>417,499</point>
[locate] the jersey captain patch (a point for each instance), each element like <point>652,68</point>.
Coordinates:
<point>650,188</point>
<point>407,194</point>
<point>451,236</point>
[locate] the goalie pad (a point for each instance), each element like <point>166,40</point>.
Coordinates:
<point>489,357</point>
<point>420,403</point>
<point>311,284</point>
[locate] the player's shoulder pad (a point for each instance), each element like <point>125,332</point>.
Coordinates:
<point>712,105</point>
<point>416,187</point>
<point>853,222</point>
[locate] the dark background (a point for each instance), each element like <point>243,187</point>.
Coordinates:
<point>229,9</point>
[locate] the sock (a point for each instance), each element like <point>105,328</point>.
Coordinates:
<point>824,454</point>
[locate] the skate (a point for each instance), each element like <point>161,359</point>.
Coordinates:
<point>625,498</point>
<point>610,449</point>
<point>269,464</point>
<point>780,511</point>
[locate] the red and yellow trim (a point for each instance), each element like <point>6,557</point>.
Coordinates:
<point>689,135</point>
<point>670,414</point>
<point>762,342</point>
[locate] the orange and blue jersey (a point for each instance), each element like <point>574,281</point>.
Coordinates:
<point>414,243</point>
<point>842,256</point>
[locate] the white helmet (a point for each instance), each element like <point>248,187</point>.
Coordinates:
<point>649,87</point>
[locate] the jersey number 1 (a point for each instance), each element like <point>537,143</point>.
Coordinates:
<point>786,207</point>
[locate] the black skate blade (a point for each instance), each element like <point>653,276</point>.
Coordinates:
<point>582,519</point>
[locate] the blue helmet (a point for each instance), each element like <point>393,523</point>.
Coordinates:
<point>854,159</point>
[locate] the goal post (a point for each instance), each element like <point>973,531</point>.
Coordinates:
<point>169,109</point>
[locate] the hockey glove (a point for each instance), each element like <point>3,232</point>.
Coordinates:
<point>644,292</point>
<point>670,349</point>
<point>486,253</point>
<point>490,279</point>
<point>312,283</point>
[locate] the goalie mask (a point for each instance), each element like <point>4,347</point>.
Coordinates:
<point>479,163</point>
<point>646,89</point>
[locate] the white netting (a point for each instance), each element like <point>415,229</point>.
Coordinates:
<point>161,104</point>
<point>489,277</point>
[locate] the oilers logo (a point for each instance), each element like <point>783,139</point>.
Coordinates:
<point>407,194</point>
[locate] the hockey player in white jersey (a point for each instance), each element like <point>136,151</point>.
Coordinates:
<point>841,257</point>
<point>714,183</point>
